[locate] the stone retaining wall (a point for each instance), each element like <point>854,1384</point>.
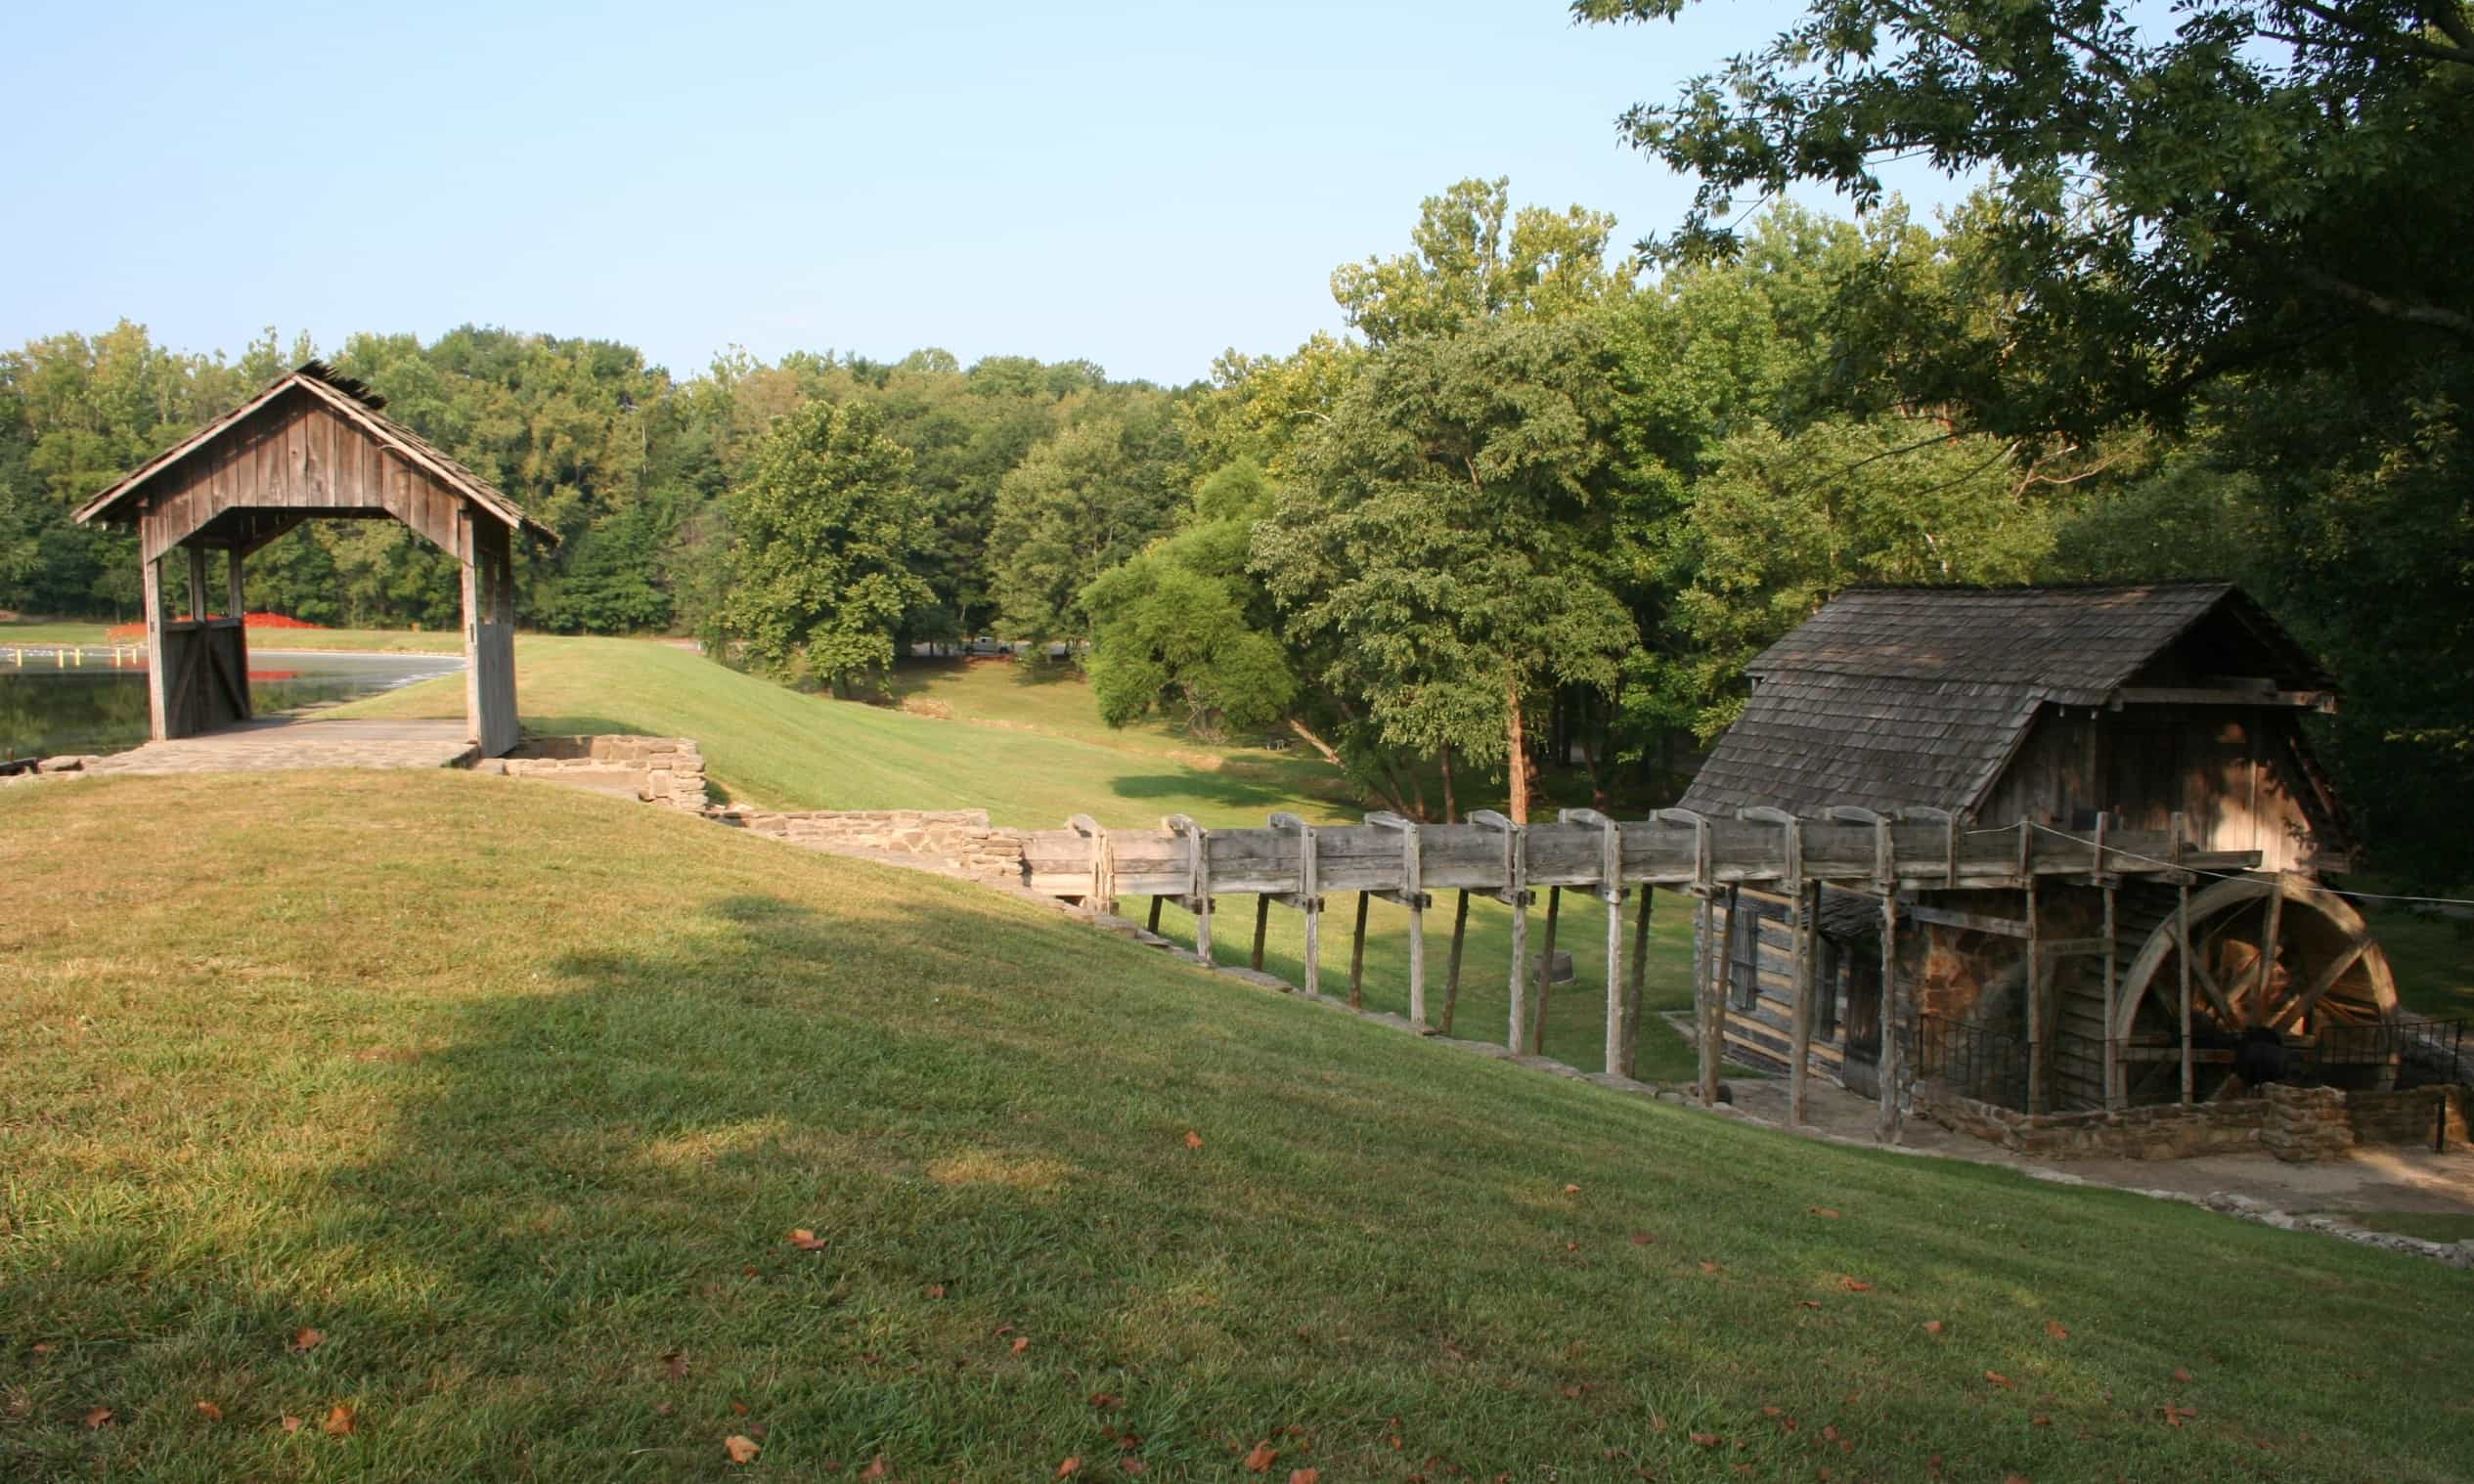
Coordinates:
<point>656,770</point>
<point>961,840</point>
<point>2296,1124</point>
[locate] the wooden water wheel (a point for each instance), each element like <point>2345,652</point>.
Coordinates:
<point>2268,954</point>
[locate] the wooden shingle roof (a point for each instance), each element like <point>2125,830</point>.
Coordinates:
<point>1895,697</point>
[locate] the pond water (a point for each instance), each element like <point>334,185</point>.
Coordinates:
<point>95,708</point>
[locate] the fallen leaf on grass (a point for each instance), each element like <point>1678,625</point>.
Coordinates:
<point>738,1409</point>
<point>1102,1399</point>
<point>1710,1267</point>
<point>43,1347</point>
<point>876,1468</point>
<point>306,1340</point>
<point>806,1240</point>
<point>341,1421</point>
<point>1642,1238</point>
<point>291,1424</point>
<point>1022,1344</point>
<point>1572,1190</point>
<point>1854,1285</point>
<point>1259,1460</point>
<point>1704,1439</point>
<point>1069,1469</point>
<point>2040,1420</point>
<point>1933,1327</point>
<point>1193,1140</point>
<point>210,1411</point>
<point>1823,1211</point>
<point>1305,1476</point>
<point>2182,1378</point>
<point>99,1416</point>
<point>1808,1303</point>
<point>2054,1328</point>
<point>936,1290</point>
<point>741,1449</point>
<point>674,1364</point>
<point>1998,1380</point>
<point>2175,1416</point>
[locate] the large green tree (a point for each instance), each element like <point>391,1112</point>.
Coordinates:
<point>2244,218</point>
<point>825,527</point>
<point>1442,564</point>
<point>1183,629</point>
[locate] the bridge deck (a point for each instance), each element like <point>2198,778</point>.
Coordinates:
<point>278,744</point>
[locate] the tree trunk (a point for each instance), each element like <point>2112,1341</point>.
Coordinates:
<point>1451,807</point>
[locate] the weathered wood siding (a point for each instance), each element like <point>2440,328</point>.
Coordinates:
<point>295,455</point>
<point>2234,773</point>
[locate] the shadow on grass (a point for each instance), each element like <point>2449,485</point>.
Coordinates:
<point>1225,787</point>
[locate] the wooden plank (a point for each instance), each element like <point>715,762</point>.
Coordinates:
<point>158,708</point>
<point>2198,695</point>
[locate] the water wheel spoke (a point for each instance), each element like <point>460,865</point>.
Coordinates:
<point>2215,992</point>
<point>2325,980</point>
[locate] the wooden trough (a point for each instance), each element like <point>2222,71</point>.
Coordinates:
<point>1296,865</point>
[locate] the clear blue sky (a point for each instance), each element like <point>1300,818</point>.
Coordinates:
<point>1143,185</point>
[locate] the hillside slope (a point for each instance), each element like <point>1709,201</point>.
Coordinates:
<point>776,746</point>
<point>510,1096</point>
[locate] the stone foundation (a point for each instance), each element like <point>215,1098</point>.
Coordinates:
<point>656,770</point>
<point>2296,1124</point>
<point>961,840</point>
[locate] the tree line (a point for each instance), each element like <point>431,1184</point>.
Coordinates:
<point>1552,493</point>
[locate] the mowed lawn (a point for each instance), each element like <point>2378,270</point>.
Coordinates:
<point>483,1110</point>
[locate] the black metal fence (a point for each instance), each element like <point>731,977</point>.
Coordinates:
<point>1980,1062</point>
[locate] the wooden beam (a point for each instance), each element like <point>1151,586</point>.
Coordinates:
<point>1799,1053</point>
<point>1516,895</point>
<point>1546,970</point>
<point>157,704</point>
<point>2112,1061</point>
<point>1357,957</point>
<point>2036,1041</point>
<point>1635,982</point>
<point>1452,972</point>
<point>1974,921</point>
<point>2322,701</point>
<point>2182,934</point>
<point>1412,894</point>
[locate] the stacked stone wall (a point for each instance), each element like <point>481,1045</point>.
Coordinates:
<point>961,840</point>
<point>2296,1124</point>
<point>667,770</point>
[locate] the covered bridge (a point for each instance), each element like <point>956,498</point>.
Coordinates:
<point>2172,707</point>
<point>311,446</point>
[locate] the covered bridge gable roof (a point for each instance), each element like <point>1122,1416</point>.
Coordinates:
<point>349,400</point>
<point>1899,697</point>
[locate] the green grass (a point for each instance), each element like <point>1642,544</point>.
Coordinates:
<point>2430,1226</point>
<point>776,746</point>
<point>2434,961</point>
<point>513,1093</point>
<point>373,640</point>
<point>1028,747</point>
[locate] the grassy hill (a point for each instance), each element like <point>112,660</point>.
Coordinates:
<point>512,1095</point>
<point>1032,751</point>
